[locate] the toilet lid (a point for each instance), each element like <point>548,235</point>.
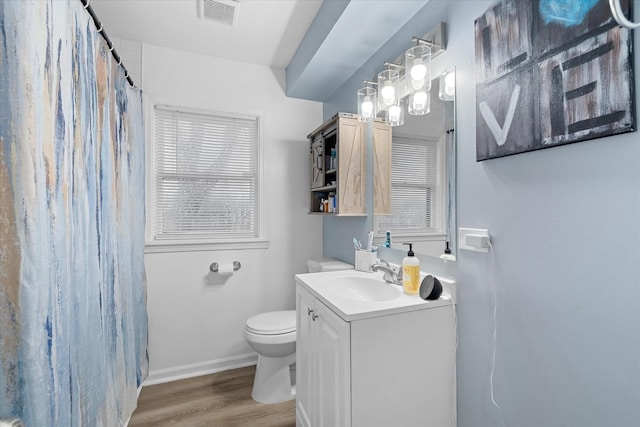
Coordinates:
<point>273,322</point>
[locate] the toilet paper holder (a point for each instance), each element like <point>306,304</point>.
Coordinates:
<point>214,266</point>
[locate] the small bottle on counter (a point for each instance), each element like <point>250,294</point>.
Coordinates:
<point>387,242</point>
<point>321,205</point>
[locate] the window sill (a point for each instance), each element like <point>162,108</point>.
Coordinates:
<point>195,246</point>
<point>380,237</point>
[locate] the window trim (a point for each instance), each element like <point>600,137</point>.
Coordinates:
<point>153,245</point>
<point>439,233</point>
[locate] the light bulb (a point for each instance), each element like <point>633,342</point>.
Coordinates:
<point>388,93</point>
<point>394,113</point>
<point>419,100</point>
<point>367,107</point>
<point>418,73</point>
<point>419,70</point>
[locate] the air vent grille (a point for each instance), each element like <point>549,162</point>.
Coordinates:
<point>222,11</point>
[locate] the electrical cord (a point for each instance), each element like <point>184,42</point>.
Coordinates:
<point>495,335</point>
<point>453,415</point>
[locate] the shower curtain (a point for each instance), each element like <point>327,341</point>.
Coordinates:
<point>73,323</point>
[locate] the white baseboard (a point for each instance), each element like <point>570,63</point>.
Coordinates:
<point>197,369</point>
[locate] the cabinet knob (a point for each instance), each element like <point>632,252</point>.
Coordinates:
<point>314,317</point>
<point>309,311</point>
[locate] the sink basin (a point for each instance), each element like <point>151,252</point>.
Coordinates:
<point>363,288</point>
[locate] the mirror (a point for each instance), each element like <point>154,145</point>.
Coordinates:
<point>423,178</point>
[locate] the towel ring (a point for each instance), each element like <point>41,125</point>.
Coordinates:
<point>616,11</point>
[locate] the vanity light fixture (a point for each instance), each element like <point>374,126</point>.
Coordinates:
<point>395,114</point>
<point>417,77</point>
<point>418,65</point>
<point>367,102</point>
<point>419,103</point>
<point>406,81</point>
<point>388,85</point>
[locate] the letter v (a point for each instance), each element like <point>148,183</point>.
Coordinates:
<point>500,134</point>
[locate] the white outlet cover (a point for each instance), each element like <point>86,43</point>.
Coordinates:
<point>462,233</point>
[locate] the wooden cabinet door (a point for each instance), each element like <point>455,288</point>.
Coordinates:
<point>352,167</point>
<point>333,381</point>
<point>304,359</point>
<point>382,134</point>
<point>317,167</point>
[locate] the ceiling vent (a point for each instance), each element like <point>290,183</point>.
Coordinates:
<point>222,11</point>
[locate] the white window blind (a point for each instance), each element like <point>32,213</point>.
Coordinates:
<point>415,195</point>
<point>205,175</point>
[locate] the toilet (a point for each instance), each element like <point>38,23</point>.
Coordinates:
<point>273,336</point>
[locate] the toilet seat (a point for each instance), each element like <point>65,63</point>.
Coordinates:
<point>272,323</point>
<point>269,339</point>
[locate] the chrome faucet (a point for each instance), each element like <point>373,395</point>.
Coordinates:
<point>390,275</point>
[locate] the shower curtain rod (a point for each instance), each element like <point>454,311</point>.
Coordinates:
<point>96,21</point>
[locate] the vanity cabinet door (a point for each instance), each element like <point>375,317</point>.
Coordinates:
<point>333,385</point>
<point>323,364</point>
<point>304,358</point>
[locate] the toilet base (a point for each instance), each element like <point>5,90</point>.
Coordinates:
<point>272,382</point>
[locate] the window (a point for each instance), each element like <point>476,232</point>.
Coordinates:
<point>417,198</point>
<point>205,183</point>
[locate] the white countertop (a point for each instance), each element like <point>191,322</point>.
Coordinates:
<point>352,309</point>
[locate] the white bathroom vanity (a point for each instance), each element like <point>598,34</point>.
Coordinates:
<point>369,355</point>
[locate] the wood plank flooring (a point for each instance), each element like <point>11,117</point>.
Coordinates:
<point>222,399</point>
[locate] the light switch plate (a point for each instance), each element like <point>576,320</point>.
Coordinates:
<point>462,232</point>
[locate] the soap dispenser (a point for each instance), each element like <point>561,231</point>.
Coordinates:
<point>410,272</point>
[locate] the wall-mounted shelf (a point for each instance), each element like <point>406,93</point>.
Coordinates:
<point>339,164</point>
<point>325,188</point>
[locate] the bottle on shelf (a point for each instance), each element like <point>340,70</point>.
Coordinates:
<point>332,202</point>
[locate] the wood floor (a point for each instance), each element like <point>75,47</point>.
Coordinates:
<point>222,399</point>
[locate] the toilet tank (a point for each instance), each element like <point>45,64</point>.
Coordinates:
<point>327,264</point>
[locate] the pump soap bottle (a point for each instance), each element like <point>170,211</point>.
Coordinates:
<point>410,272</point>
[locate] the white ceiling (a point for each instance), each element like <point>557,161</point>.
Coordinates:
<point>268,31</point>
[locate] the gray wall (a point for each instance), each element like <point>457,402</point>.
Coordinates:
<point>565,226</point>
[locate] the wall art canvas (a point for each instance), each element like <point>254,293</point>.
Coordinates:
<point>73,321</point>
<point>551,72</point>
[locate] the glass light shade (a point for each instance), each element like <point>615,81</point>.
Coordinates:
<point>447,82</point>
<point>395,115</point>
<point>417,62</point>
<point>367,103</point>
<point>419,103</point>
<point>388,87</point>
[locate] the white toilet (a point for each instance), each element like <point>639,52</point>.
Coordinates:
<point>273,336</point>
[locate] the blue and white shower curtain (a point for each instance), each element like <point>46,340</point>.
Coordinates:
<point>73,323</point>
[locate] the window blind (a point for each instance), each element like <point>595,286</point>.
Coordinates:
<point>414,186</point>
<point>205,175</point>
